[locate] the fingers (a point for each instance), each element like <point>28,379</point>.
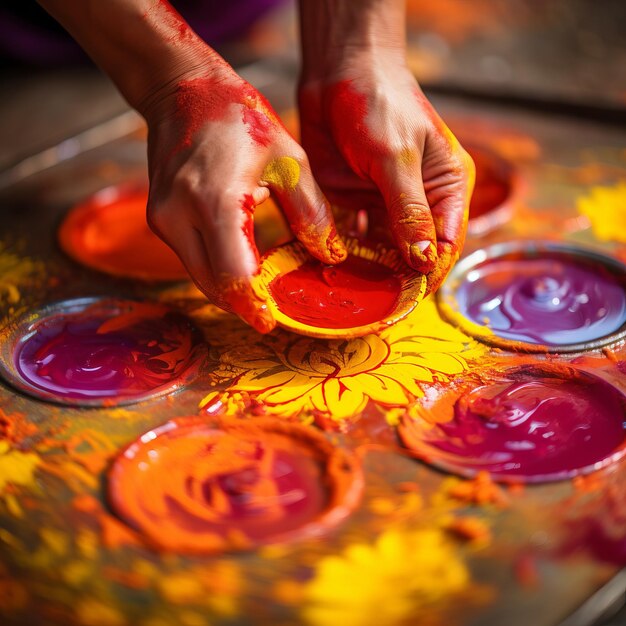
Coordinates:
<point>187,242</point>
<point>220,257</point>
<point>305,207</point>
<point>449,194</point>
<point>228,236</point>
<point>410,217</point>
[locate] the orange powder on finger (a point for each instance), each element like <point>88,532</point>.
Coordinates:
<point>109,233</point>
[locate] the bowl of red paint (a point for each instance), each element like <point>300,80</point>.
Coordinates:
<point>537,422</point>
<point>496,181</point>
<point>372,289</point>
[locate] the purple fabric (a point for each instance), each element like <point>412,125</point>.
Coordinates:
<point>37,43</point>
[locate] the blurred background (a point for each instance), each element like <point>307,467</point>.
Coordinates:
<point>567,56</point>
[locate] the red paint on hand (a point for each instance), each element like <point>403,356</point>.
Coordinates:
<point>203,100</point>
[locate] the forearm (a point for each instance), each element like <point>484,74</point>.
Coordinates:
<point>335,31</point>
<point>145,46</point>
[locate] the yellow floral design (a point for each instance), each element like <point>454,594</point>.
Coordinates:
<point>398,577</point>
<point>291,375</point>
<point>605,207</point>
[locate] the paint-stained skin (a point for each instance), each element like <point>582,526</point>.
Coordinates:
<point>211,164</point>
<point>396,160</point>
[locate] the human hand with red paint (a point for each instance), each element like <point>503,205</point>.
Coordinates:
<point>376,145</point>
<point>216,149</point>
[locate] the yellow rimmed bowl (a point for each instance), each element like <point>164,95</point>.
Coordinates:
<point>292,255</point>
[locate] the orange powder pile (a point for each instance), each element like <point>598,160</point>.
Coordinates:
<point>108,232</point>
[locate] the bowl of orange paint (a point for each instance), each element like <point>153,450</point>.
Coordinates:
<point>108,232</point>
<point>371,290</point>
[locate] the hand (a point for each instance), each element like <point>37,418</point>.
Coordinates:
<point>215,150</point>
<point>377,145</point>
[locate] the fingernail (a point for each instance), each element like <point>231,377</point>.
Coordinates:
<point>423,255</point>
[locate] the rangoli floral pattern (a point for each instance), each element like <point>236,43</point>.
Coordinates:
<point>293,376</point>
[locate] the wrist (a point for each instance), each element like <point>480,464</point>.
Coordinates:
<point>157,99</point>
<point>337,35</point>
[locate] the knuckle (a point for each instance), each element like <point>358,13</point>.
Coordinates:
<point>407,210</point>
<point>157,216</point>
<point>464,163</point>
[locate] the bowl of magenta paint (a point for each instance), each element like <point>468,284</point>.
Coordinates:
<point>536,422</point>
<point>371,290</point>
<point>529,296</point>
<point>100,352</point>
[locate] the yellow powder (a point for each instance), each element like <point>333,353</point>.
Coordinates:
<point>16,468</point>
<point>605,208</point>
<point>92,612</point>
<point>282,173</point>
<point>16,272</point>
<point>339,377</point>
<point>395,578</point>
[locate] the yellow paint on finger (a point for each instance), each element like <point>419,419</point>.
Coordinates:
<point>407,157</point>
<point>282,173</point>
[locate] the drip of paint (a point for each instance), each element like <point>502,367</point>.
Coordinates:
<point>533,423</point>
<point>493,183</point>
<point>191,487</point>
<point>109,233</point>
<point>97,355</point>
<point>355,293</point>
<point>544,301</point>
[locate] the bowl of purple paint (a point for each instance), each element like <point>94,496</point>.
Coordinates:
<point>100,352</point>
<point>537,297</point>
<point>532,423</point>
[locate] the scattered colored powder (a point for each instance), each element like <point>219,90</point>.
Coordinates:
<point>480,490</point>
<point>355,293</point>
<point>122,352</point>
<point>283,173</point>
<point>605,207</point>
<point>493,182</point>
<point>538,422</point>
<point>546,301</point>
<point>398,579</point>
<point>109,233</point>
<point>16,467</point>
<point>192,488</point>
<point>15,273</point>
